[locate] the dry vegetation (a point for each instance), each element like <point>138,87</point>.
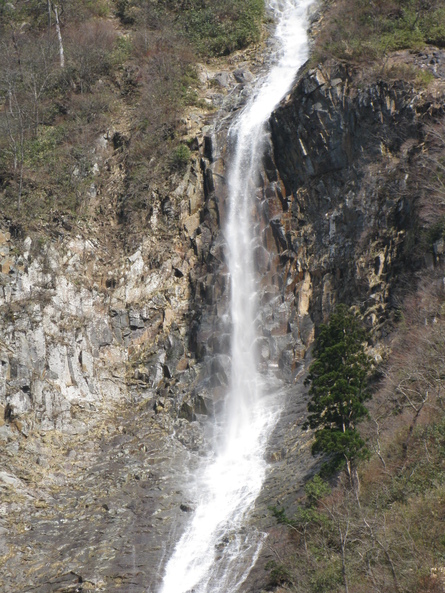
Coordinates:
<point>390,537</point>
<point>386,535</point>
<point>367,30</point>
<point>138,57</point>
<point>128,60</point>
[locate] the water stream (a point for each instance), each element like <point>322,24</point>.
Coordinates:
<point>219,547</point>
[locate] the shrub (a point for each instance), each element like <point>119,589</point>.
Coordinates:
<point>315,490</point>
<point>215,28</point>
<point>278,575</point>
<point>364,31</point>
<point>98,8</point>
<point>90,53</point>
<point>433,27</point>
<point>327,579</point>
<point>423,79</point>
<point>181,155</point>
<point>220,28</point>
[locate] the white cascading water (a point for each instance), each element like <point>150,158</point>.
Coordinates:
<point>218,549</point>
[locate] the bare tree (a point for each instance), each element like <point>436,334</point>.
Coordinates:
<point>59,36</point>
<point>15,113</point>
<point>26,74</point>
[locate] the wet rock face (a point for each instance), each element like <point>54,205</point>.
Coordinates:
<point>335,203</point>
<point>110,362</point>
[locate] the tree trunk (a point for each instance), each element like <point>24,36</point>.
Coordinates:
<point>59,37</point>
<point>343,539</point>
<point>356,484</point>
<point>17,52</point>
<point>48,4</point>
<point>354,480</point>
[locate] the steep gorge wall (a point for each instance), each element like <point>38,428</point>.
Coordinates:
<point>107,336</point>
<point>335,206</point>
<point>97,368</point>
<point>345,151</point>
<point>340,204</point>
<point>111,361</point>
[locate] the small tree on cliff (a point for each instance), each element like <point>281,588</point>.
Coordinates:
<point>337,380</point>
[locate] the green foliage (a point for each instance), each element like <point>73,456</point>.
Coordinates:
<point>420,474</point>
<point>394,539</point>
<point>214,28</point>
<point>41,150</point>
<point>338,379</point>
<point>53,116</point>
<point>423,79</point>
<point>433,26</point>
<point>98,8</point>
<point>315,490</point>
<point>35,12</point>
<point>420,78</point>
<point>187,88</point>
<point>278,575</point>
<point>181,155</point>
<point>122,50</point>
<point>364,31</point>
<point>220,28</point>
<point>152,67</point>
<point>304,515</point>
<point>327,578</point>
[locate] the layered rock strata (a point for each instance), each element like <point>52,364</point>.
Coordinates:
<point>111,361</point>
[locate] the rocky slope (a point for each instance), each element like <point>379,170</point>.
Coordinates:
<point>338,206</point>
<point>107,372</point>
<point>94,344</point>
<point>110,361</point>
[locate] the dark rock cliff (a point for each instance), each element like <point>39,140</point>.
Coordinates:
<point>336,206</point>
<point>345,155</point>
<point>106,386</point>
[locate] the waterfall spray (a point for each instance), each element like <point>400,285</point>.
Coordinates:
<point>218,548</point>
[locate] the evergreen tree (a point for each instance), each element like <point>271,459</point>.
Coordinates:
<point>338,379</point>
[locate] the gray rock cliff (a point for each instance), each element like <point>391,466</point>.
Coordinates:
<point>111,361</point>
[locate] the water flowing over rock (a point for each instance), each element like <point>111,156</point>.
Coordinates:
<point>219,547</point>
<point>115,365</point>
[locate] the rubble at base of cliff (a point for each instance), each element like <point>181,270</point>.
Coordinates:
<point>112,361</point>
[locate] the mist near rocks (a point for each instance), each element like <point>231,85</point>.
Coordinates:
<point>218,549</point>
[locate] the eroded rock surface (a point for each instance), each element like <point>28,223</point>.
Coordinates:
<point>111,360</point>
<point>345,155</point>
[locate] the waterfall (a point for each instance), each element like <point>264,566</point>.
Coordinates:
<point>219,547</point>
